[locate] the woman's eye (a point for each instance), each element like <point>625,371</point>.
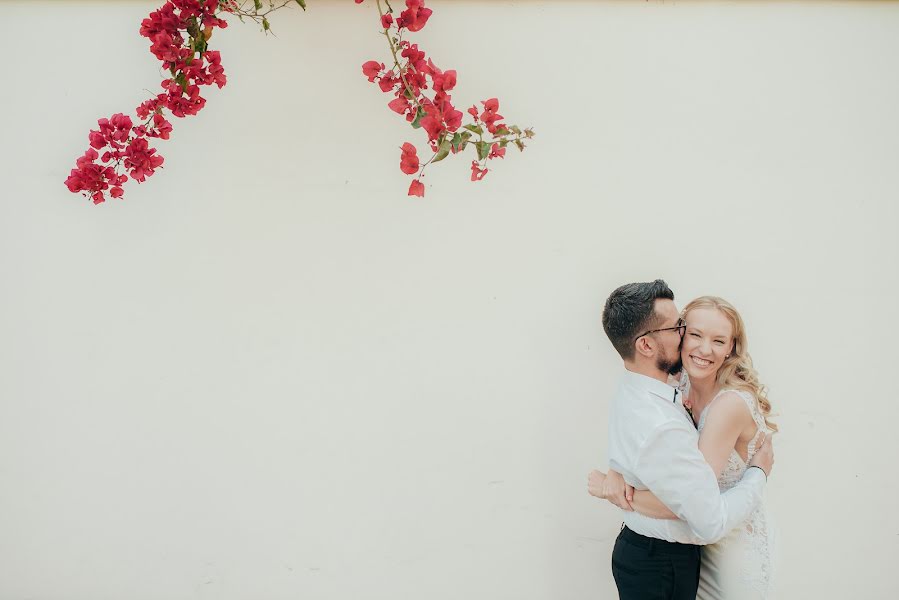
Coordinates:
<point>695,335</point>
<point>719,342</point>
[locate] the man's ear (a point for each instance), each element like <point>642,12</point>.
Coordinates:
<point>645,346</point>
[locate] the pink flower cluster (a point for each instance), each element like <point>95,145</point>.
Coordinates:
<point>408,79</point>
<point>414,18</point>
<point>119,147</point>
<point>179,32</point>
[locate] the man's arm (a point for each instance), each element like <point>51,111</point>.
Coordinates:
<point>673,469</point>
<point>615,489</point>
<point>727,417</point>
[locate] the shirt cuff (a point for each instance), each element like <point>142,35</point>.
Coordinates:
<point>755,471</point>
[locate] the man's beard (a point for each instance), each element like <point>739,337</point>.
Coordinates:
<point>670,366</point>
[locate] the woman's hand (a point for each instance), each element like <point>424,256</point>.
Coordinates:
<point>611,487</point>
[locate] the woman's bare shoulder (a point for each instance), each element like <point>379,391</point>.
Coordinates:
<point>730,407</point>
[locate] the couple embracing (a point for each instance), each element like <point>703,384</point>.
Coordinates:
<point>689,450</point>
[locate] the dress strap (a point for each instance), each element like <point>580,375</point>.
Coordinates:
<point>762,427</point>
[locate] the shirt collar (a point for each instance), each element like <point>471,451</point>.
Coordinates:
<point>649,384</point>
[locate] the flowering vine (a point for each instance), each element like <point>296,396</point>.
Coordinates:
<point>179,34</point>
<point>407,79</point>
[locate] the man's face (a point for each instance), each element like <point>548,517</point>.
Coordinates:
<point>669,342</point>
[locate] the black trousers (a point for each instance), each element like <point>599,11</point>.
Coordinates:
<point>650,569</point>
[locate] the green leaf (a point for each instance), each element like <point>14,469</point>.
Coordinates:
<point>475,129</point>
<point>443,151</point>
<point>416,123</point>
<point>257,4</point>
<point>515,129</point>
<point>501,130</point>
<point>302,4</point>
<point>181,80</point>
<point>520,145</point>
<point>463,141</point>
<point>483,149</point>
<point>265,24</point>
<point>456,141</point>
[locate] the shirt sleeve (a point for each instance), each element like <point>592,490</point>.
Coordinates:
<point>672,467</point>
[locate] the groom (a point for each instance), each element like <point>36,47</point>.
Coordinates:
<point>653,444</point>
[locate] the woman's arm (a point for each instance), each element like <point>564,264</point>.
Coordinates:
<point>728,417</point>
<point>646,503</point>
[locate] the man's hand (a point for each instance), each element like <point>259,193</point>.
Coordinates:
<point>764,456</point>
<point>595,480</point>
<point>611,487</point>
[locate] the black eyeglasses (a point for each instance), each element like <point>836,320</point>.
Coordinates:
<point>681,327</point>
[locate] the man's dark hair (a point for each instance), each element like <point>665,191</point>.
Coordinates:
<point>629,312</point>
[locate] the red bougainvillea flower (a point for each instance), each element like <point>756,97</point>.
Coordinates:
<point>92,179</point>
<point>497,152</point>
<point>387,82</point>
<point>409,159</point>
<point>417,188</point>
<point>167,47</point>
<point>215,73</point>
<point>141,159</point>
<point>490,108</point>
<point>181,102</point>
<point>443,82</point>
<point>162,20</point>
<point>490,116</point>
<point>432,122</point>
<point>144,110</point>
<point>416,57</point>
<point>451,116</point>
<point>113,131</point>
<point>477,173</point>
<point>371,69</point>
<point>415,17</point>
<point>178,32</point>
<point>399,105</point>
<point>161,128</point>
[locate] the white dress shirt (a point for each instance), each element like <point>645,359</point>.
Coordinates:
<point>654,445</point>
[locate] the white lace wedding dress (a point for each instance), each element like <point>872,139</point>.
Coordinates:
<point>739,566</point>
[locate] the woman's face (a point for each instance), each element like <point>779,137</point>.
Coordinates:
<point>707,341</point>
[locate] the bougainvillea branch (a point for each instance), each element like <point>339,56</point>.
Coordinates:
<point>179,34</point>
<point>408,78</point>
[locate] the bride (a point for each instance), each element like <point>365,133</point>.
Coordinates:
<point>730,408</point>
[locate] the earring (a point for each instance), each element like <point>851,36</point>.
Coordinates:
<point>727,356</point>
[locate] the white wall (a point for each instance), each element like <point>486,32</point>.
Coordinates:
<point>267,373</point>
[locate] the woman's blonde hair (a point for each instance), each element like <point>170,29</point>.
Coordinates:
<point>737,371</point>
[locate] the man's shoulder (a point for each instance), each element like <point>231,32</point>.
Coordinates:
<point>643,406</point>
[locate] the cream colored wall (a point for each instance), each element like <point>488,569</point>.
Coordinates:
<point>267,373</point>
